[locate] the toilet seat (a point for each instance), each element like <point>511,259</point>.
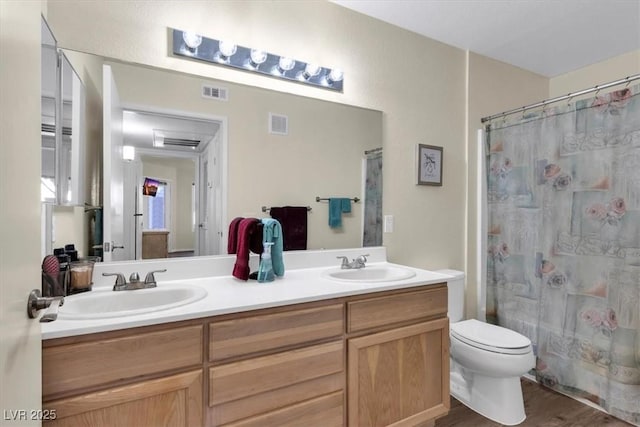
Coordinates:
<point>485,336</point>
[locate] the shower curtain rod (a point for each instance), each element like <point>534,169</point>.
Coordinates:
<point>627,80</point>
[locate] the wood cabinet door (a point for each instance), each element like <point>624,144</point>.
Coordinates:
<point>399,377</point>
<point>175,400</point>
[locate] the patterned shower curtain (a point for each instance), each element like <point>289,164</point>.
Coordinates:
<point>372,235</point>
<point>563,262</point>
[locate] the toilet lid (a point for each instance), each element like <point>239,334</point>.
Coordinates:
<point>490,337</point>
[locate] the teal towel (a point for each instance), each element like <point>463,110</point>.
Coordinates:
<point>272,233</point>
<point>338,206</point>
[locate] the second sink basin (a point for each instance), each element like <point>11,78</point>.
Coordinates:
<point>108,304</point>
<point>375,273</point>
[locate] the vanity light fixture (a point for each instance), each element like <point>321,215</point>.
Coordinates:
<point>223,52</point>
<point>128,152</point>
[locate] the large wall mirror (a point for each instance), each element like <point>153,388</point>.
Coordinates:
<point>213,151</point>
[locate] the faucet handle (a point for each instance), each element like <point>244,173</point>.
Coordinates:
<point>120,280</point>
<point>150,278</point>
<point>363,258</point>
<point>345,260</point>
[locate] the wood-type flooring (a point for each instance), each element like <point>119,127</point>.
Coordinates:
<point>544,408</point>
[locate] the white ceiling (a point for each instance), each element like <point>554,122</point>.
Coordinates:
<point>548,37</point>
<point>140,128</point>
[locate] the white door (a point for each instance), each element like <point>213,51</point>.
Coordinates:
<point>20,347</point>
<point>113,171</point>
<point>202,205</point>
<point>209,202</point>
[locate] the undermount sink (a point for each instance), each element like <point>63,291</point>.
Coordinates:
<point>376,273</point>
<point>108,304</point>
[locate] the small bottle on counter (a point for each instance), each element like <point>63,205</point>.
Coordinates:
<point>265,269</point>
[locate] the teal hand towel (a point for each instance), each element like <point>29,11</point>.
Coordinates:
<point>272,233</point>
<point>338,205</point>
<point>346,205</point>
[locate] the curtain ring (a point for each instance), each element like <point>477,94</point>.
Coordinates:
<point>569,102</point>
<point>597,91</point>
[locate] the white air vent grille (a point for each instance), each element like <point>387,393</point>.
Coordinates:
<point>212,92</point>
<point>278,124</point>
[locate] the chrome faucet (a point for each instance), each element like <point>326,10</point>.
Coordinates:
<point>134,281</point>
<point>356,263</point>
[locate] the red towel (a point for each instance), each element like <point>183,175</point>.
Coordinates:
<point>232,240</point>
<point>246,228</point>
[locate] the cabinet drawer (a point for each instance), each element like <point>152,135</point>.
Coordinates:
<point>261,333</point>
<point>325,411</point>
<point>168,401</point>
<point>89,364</point>
<point>262,375</point>
<point>403,307</point>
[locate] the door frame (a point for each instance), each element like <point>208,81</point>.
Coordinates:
<point>221,140</point>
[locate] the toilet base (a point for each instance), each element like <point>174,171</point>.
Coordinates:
<point>499,399</point>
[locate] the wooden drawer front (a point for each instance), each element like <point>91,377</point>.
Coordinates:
<point>239,337</point>
<point>81,365</point>
<point>325,411</point>
<point>264,374</point>
<point>170,401</point>
<point>262,403</point>
<point>404,307</point>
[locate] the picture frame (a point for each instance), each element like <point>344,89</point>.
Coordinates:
<point>429,162</point>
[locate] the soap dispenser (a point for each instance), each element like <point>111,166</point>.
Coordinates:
<point>265,269</point>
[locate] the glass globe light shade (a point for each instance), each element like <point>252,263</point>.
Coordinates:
<point>191,39</point>
<point>336,75</point>
<point>227,48</point>
<point>258,56</point>
<point>312,70</point>
<point>286,63</point>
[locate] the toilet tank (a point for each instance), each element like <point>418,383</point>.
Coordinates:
<point>455,294</point>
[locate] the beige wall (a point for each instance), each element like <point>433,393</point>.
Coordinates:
<point>493,87</point>
<point>610,70</point>
<point>69,227</point>
<point>418,83</point>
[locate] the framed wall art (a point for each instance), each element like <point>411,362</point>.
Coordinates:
<point>429,165</point>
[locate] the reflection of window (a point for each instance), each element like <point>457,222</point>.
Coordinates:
<point>158,207</point>
<point>47,189</point>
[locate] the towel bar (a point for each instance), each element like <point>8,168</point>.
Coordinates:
<point>355,199</point>
<point>266,209</point>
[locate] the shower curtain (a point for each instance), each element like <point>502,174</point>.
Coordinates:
<point>372,234</point>
<point>563,262</point>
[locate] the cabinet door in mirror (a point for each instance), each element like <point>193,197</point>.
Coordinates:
<point>70,160</point>
<point>49,87</point>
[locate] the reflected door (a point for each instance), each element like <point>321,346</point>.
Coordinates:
<point>113,174</point>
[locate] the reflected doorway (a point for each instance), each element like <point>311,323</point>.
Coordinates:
<point>174,155</point>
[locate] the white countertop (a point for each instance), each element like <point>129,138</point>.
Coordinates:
<point>226,294</point>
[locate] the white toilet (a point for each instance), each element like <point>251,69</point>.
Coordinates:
<point>486,361</point>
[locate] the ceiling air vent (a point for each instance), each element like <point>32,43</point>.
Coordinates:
<point>212,92</point>
<point>278,124</point>
<point>178,142</point>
